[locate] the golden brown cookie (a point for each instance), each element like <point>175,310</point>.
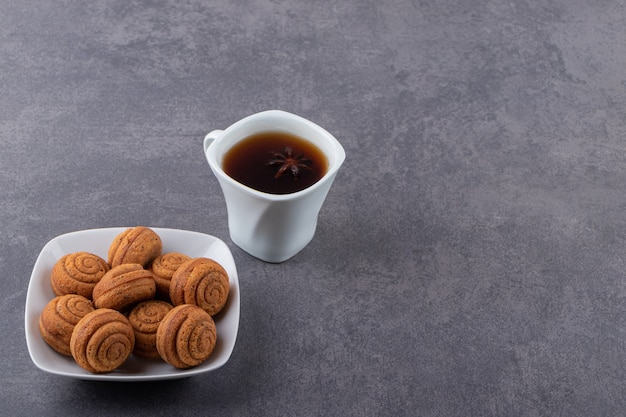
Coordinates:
<point>135,245</point>
<point>163,268</point>
<point>124,286</point>
<point>202,282</point>
<point>186,337</point>
<point>59,317</point>
<point>77,273</point>
<point>145,318</point>
<point>102,341</point>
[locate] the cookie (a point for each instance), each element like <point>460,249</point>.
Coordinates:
<point>186,337</point>
<point>77,273</point>
<point>124,286</point>
<point>59,317</point>
<point>163,268</point>
<point>202,282</point>
<point>139,245</point>
<point>145,318</point>
<point>102,341</point>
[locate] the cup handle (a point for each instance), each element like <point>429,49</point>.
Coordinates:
<point>210,137</point>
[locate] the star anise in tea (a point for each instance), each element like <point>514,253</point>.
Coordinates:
<point>288,163</point>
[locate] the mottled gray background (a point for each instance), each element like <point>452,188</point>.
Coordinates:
<point>470,259</point>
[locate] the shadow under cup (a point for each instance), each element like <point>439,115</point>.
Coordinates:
<point>272,227</point>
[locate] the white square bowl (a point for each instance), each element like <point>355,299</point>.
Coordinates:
<point>97,241</point>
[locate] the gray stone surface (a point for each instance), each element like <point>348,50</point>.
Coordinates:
<point>470,259</point>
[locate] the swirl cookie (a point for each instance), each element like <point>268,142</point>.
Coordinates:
<point>102,341</point>
<point>163,268</point>
<point>186,337</point>
<point>77,273</point>
<point>138,245</point>
<point>202,282</point>
<point>145,318</point>
<point>59,317</point>
<point>123,286</point>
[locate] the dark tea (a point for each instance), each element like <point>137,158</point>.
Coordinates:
<point>275,163</point>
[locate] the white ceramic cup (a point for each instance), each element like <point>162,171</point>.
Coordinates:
<point>272,227</point>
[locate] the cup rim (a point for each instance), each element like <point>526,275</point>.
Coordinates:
<point>338,157</point>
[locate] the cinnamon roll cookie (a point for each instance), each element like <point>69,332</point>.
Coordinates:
<point>145,318</point>
<point>186,337</point>
<point>124,286</point>
<point>77,273</point>
<point>138,245</point>
<point>59,317</point>
<point>163,268</point>
<point>102,341</point>
<point>202,282</point>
